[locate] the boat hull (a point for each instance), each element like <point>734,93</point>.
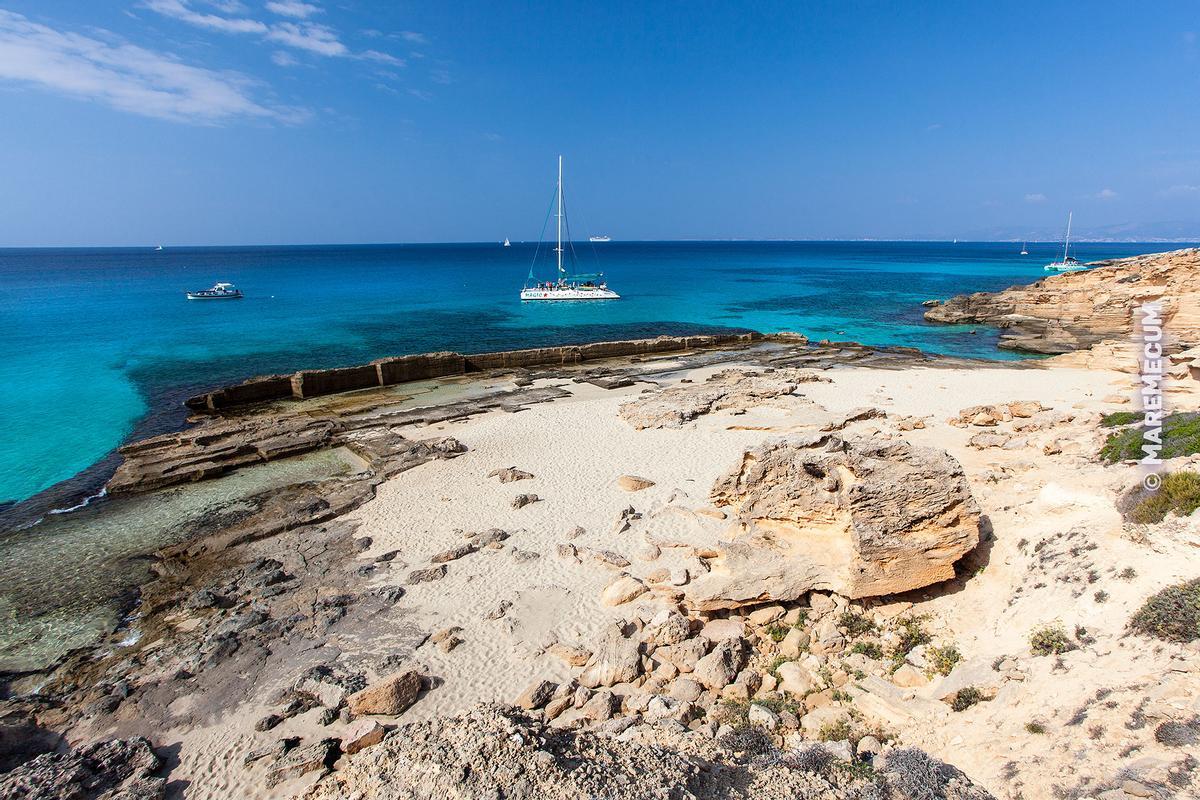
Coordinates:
<point>569,294</point>
<point>202,296</point>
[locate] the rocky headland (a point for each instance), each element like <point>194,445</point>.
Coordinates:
<point>1077,310</point>
<point>756,567</point>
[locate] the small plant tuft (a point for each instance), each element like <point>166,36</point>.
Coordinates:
<point>868,649</point>
<point>1050,639</point>
<point>1179,493</point>
<point>813,758</point>
<point>1178,734</point>
<point>966,697</point>
<point>1180,437</point>
<point>1172,614</point>
<point>911,633</point>
<point>835,731</point>
<point>856,624</point>
<point>1118,419</point>
<point>777,632</point>
<point>942,659</point>
<point>1035,727</point>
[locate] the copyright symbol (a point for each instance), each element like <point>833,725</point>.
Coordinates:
<point>1152,481</point>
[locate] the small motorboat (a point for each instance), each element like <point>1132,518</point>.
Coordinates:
<point>219,291</point>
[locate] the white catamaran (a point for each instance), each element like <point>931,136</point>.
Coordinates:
<point>1069,263</point>
<point>567,286</point>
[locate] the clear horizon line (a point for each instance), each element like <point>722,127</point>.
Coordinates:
<point>498,243</point>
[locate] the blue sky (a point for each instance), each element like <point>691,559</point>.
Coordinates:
<point>248,121</point>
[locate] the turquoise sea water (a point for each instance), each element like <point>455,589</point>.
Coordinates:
<point>99,345</point>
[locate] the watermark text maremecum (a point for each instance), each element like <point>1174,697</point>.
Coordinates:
<point>1153,368</point>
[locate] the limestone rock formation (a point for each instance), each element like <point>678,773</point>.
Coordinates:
<point>859,517</point>
<point>120,768</point>
<point>217,446</point>
<point>733,389</point>
<point>471,755</point>
<point>616,659</point>
<point>1076,310</point>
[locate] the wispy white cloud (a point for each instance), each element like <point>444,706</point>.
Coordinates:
<point>293,8</point>
<point>1106,194</point>
<point>127,77</point>
<point>311,37</point>
<point>1035,197</point>
<point>413,37</point>
<point>180,10</point>
<point>302,34</point>
<point>1181,190</point>
<point>382,58</point>
<point>284,59</point>
<point>934,126</point>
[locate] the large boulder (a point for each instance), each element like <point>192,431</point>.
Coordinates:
<point>718,669</point>
<point>390,696</point>
<point>862,518</point>
<point>616,659</point>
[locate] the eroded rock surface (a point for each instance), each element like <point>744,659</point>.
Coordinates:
<point>1076,310</point>
<point>493,746</point>
<point>860,517</point>
<point>732,389</point>
<point>114,770</point>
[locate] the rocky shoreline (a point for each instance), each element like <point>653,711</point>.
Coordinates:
<point>1077,310</point>
<point>753,567</point>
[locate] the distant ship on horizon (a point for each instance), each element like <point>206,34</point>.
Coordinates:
<point>599,239</point>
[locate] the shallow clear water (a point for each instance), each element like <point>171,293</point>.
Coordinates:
<point>101,344</point>
<point>64,582</point>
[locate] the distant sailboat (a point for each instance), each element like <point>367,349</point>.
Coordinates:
<point>507,243</point>
<point>1068,263</point>
<point>1024,252</point>
<point>159,247</point>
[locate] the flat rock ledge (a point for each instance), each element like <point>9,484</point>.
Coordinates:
<point>862,518</point>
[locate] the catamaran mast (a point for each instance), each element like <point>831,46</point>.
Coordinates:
<point>559,249</point>
<point>1066,245</point>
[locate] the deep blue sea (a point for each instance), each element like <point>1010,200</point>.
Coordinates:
<point>100,344</point>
